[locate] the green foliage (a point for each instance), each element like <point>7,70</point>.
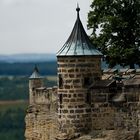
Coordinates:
<point>119,37</point>
<point>12,123</point>
<point>17,134</point>
<point>13,88</point>
<point>14,105</point>
<point>16,87</point>
<point>45,68</point>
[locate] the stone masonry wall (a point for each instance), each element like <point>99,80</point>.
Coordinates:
<point>33,84</point>
<point>40,124</point>
<point>73,109</point>
<point>41,117</point>
<point>102,110</point>
<point>75,74</point>
<point>108,115</point>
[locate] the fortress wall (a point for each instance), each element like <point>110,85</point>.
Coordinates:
<point>108,115</point>
<point>133,106</point>
<point>99,113</point>
<point>40,126</point>
<point>43,95</point>
<point>74,109</point>
<point>102,110</point>
<point>41,117</point>
<point>33,84</point>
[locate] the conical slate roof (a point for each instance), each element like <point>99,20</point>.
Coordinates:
<point>78,43</point>
<point>35,74</point>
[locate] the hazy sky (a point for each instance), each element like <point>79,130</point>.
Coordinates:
<point>38,26</point>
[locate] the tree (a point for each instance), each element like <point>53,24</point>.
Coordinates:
<point>115,28</point>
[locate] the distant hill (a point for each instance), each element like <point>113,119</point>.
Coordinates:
<point>23,64</point>
<point>25,58</point>
<point>25,69</point>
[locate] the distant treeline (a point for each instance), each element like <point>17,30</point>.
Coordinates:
<point>12,124</point>
<point>16,88</point>
<point>45,68</point>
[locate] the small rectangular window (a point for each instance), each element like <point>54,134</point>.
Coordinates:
<point>87,81</point>
<point>60,98</point>
<point>60,81</point>
<point>88,97</point>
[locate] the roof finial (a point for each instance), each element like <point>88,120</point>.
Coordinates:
<point>36,68</point>
<point>35,74</point>
<point>78,9</point>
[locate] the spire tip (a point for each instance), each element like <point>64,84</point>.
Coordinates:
<point>77,9</point>
<point>36,68</point>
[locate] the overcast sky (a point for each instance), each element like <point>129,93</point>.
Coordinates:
<point>38,26</point>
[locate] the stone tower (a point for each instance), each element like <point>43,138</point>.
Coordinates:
<point>79,65</point>
<point>41,113</point>
<point>35,81</point>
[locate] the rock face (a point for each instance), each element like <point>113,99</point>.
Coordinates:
<point>40,124</point>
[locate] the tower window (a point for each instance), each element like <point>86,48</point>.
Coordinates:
<point>87,81</point>
<point>88,97</point>
<point>60,98</point>
<point>60,81</point>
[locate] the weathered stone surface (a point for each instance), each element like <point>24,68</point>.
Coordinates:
<point>41,117</point>
<point>111,135</point>
<point>77,74</point>
<point>109,110</point>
